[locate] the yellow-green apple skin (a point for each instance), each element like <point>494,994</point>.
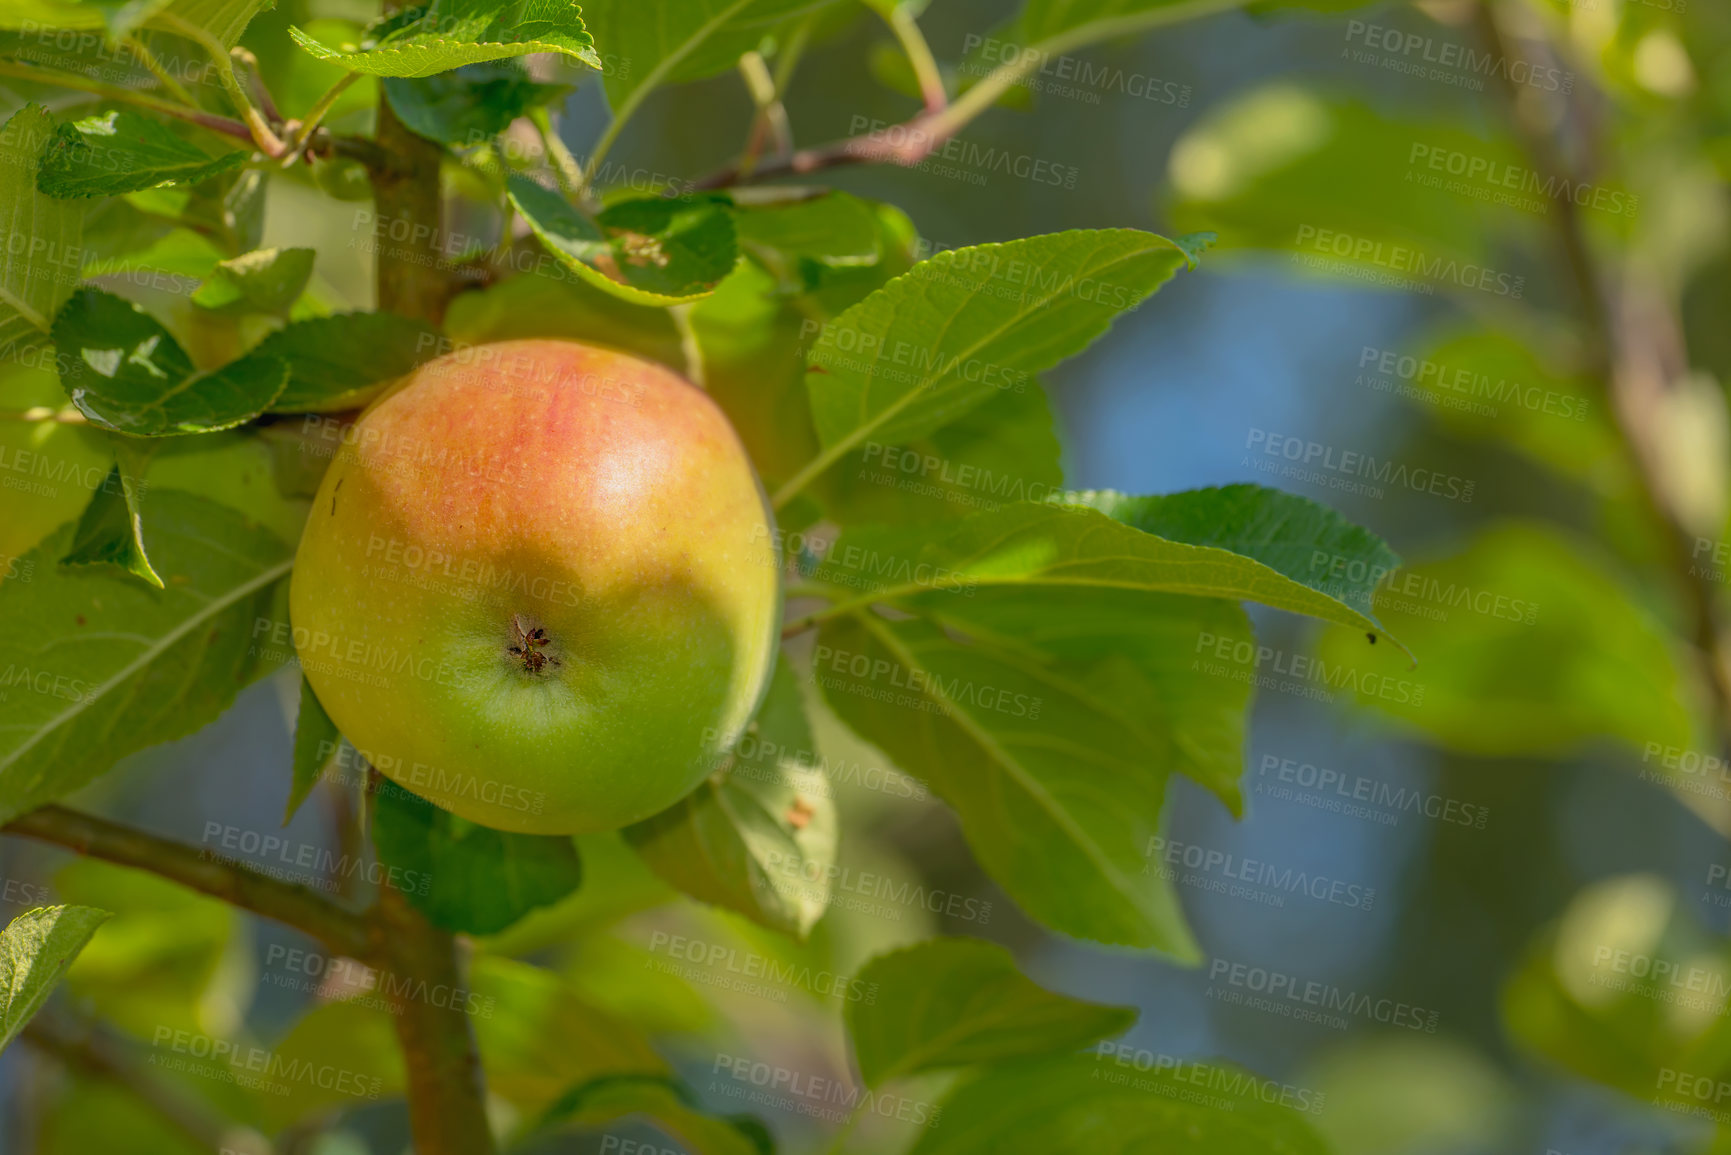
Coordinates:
<point>540,486</point>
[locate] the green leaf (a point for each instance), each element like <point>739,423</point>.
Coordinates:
<point>169,953</point>
<point>96,666</point>
<point>673,41</point>
<point>1264,171</point>
<point>120,152</point>
<point>336,362</point>
<point>958,1002</point>
<point>1058,788</point>
<point>538,1038</point>
<point>1588,993</point>
<point>1005,450</point>
<point>125,372</point>
<point>469,105</point>
<point>1138,653</point>
<point>1093,1105</point>
<point>1071,545</point>
<point>35,950</point>
<point>831,228</point>
<point>1534,644</point>
<point>769,806</point>
<point>651,251</point>
<point>37,278</point>
<point>1294,536</point>
<point>111,531</point>
<point>262,281</point>
<point>945,336</point>
<point>448,34</point>
<point>316,743</point>
<point>467,878</point>
<point>224,20</point>
<point>663,1100</point>
<point>557,305</point>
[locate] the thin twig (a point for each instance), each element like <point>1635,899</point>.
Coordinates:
<point>912,142</point>
<point>919,54</point>
<point>291,904</point>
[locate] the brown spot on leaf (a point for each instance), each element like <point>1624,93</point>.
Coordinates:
<point>800,814</point>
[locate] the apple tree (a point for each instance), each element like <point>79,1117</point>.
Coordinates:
<point>1024,669</point>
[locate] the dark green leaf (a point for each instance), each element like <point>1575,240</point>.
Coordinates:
<point>652,251</point>
<point>958,1002</point>
<point>1294,536</point>
<point>467,878</point>
<point>335,362</point>
<point>469,105</point>
<point>111,531</point>
<point>316,743</point>
<point>1071,546</point>
<point>35,950</point>
<point>262,281</point>
<point>126,373</point>
<point>120,152</point>
<point>771,804</point>
<point>447,34</point>
<point>98,665</point>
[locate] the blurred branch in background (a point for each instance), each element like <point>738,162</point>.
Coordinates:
<point>1634,348</point>
<point>87,1049</point>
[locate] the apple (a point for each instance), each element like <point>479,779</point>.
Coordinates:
<point>539,586</point>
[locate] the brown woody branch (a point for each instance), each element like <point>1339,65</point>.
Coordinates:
<point>291,904</point>
<point>1635,357</point>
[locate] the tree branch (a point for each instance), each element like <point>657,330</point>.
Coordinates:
<point>447,1100</point>
<point>1632,381</point>
<point>95,1054</point>
<point>291,904</point>
<point>909,143</point>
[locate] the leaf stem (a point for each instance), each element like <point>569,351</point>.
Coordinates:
<point>291,904</point>
<point>43,75</point>
<point>566,169</point>
<point>261,132</point>
<point>919,54</point>
<point>302,132</point>
<point>66,416</point>
<point>266,102</point>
